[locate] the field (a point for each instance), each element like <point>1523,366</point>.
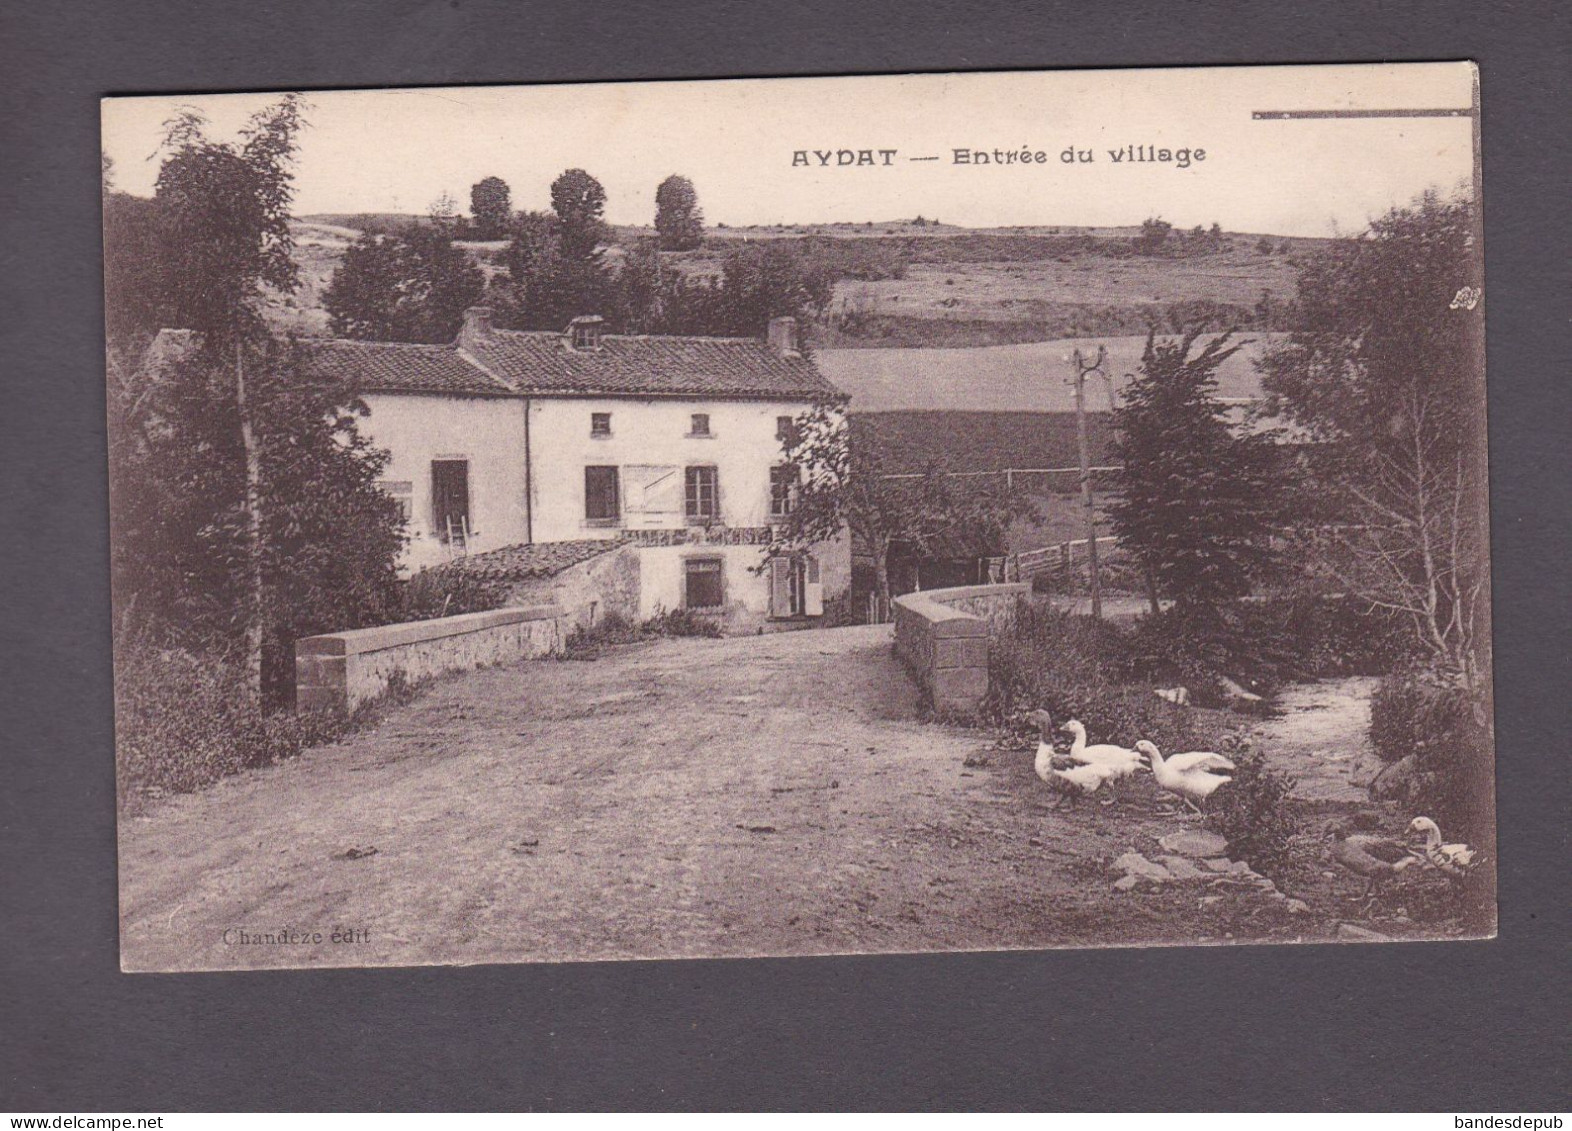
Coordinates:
<point>925,285</point>
<point>1028,377</point>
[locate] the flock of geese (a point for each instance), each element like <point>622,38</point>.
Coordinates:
<point>1195,776</point>
<point>1086,769</point>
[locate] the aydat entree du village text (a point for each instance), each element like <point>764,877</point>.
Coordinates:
<point>1181,158</point>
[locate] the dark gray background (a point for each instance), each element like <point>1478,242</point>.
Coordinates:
<point>1462,1026</point>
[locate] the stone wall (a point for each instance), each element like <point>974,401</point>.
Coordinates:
<point>343,669</point>
<point>586,592</point>
<point>942,637</point>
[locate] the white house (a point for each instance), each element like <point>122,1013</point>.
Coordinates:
<point>672,444</point>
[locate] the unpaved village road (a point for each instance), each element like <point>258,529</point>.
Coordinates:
<point>761,795</point>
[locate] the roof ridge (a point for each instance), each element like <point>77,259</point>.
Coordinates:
<point>465,356</point>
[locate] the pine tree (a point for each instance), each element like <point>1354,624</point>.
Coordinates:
<point>677,215</point>
<point>1198,497</point>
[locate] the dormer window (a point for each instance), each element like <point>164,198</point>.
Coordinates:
<point>584,332</point>
<point>700,424</point>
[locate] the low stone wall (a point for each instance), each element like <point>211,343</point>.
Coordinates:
<point>942,636</point>
<point>343,669</point>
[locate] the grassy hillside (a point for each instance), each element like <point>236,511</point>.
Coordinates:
<point>926,285</point>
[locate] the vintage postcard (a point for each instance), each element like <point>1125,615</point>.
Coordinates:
<point>799,516</point>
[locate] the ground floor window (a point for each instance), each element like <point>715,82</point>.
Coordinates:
<point>703,584</point>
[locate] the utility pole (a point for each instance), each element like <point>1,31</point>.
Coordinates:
<point>1081,371</point>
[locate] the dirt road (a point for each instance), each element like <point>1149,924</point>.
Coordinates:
<point>683,797</point>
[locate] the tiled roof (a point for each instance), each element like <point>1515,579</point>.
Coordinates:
<point>376,367</point>
<point>537,363</point>
<point>543,363</point>
<point>527,562</point>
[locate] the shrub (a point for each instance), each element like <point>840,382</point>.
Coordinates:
<point>682,622</point>
<point>447,592</point>
<point>1075,667</point>
<point>1252,813</point>
<point>1451,777</point>
<point>184,719</point>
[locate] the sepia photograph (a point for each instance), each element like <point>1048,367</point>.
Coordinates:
<point>799,516</point>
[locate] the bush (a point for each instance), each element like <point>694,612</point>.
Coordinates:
<point>682,622</point>
<point>1451,774</point>
<point>183,720</point>
<point>447,592</point>
<point>1075,667</point>
<point>1252,813</point>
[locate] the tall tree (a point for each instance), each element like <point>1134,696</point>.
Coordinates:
<point>580,204</point>
<point>411,286</point>
<point>237,475</point>
<point>677,215</point>
<point>1198,497</point>
<point>1387,374</point>
<point>555,261</point>
<point>227,211</point>
<point>491,204</point>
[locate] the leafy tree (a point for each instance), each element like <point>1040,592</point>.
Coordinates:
<point>413,286</point>
<point>677,215</point>
<point>846,484</point>
<point>555,262</point>
<point>182,553</point>
<point>237,476</point>
<point>491,204</point>
<point>760,281</point>
<point>1386,372</point>
<point>1199,499</point>
<point>579,202</point>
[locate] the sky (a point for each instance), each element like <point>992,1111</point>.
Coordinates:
<point>398,150</point>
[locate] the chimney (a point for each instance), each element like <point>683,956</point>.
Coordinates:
<point>783,337</point>
<point>476,328</point>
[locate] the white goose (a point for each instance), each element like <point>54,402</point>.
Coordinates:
<point>1453,859</point>
<point>1072,781</point>
<point>1192,777</point>
<point>1117,759</point>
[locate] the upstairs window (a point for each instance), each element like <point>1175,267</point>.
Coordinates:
<point>785,429</point>
<point>703,495</point>
<point>602,496</point>
<point>783,490</point>
<point>600,424</point>
<point>450,513</point>
<point>700,424</point>
<point>584,333</point>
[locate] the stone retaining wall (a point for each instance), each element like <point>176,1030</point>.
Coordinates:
<point>343,669</point>
<point>942,637</point>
